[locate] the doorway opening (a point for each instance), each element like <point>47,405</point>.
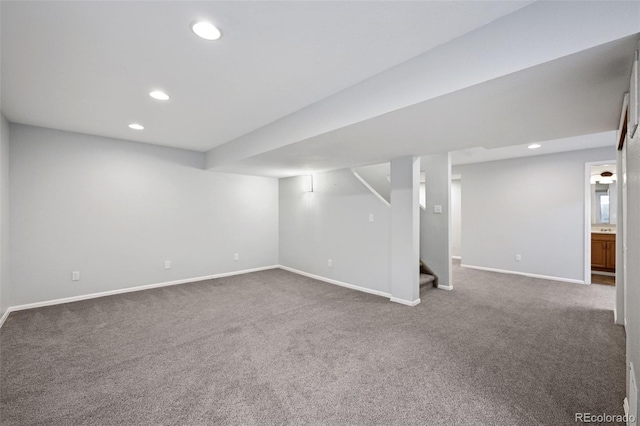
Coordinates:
<point>600,222</point>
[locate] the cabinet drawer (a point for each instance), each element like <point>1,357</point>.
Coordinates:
<point>603,237</point>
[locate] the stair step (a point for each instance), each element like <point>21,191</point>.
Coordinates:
<point>426,278</point>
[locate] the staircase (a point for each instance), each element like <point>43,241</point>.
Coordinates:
<point>427,276</point>
<point>376,179</point>
<point>426,279</point>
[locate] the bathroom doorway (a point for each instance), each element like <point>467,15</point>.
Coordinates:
<point>601,217</point>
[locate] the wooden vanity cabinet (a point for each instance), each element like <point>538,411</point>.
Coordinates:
<point>603,252</point>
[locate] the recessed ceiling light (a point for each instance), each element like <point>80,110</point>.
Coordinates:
<point>534,146</point>
<point>136,126</point>
<point>159,95</point>
<point>206,30</point>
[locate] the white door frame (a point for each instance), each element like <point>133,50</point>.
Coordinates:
<point>587,215</point>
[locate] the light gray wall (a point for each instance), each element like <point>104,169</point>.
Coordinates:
<point>533,206</point>
<point>632,231</point>
<point>435,238</point>
<point>116,210</point>
<point>332,222</point>
<point>4,214</point>
<point>456,217</point>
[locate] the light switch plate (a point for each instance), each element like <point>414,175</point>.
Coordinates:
<point>437,209</point>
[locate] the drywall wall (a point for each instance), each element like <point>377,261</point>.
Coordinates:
<point>532,206</point>
<point>332,222</point>
<point>117,210</point>
<point>4,214</point>
<point>435,237</point>
<point>632,282</point>
<point>456,217</point>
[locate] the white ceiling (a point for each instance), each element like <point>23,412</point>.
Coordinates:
<point>88,66</point>
<point>482,154</point>
<point>376,174</point>
<point>580,94</point>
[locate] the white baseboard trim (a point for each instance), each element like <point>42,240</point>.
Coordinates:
<point>4,316</point>
<point>405,302</point>
<point>128,290</point>
<point>336,282</point>
<point>526,274</point>
<point>457,257</point>
<point>445,287</point>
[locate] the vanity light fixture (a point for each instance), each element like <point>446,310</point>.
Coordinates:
<point>607,178</point>
<point>534,146</point>
<point>136,126</point>
<point>604,178</point>
<point>206,30</point>
<point>159,95</point>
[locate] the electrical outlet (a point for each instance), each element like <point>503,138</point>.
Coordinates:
<point>236,256</point>
<point>167,264</point>
<point>437,209</point>
<point>518,257</point>
<point>371,217</point>
<point>330,263</point>
<point>75,276</point>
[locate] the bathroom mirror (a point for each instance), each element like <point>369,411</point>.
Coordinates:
<point>602,206</point>
<point>603,195</point>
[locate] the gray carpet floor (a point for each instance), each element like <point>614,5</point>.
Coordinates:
<point>274,347</point>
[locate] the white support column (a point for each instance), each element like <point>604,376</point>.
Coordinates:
<point>435,223</point>
<point>405,230</point>
<point>631,242</point>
